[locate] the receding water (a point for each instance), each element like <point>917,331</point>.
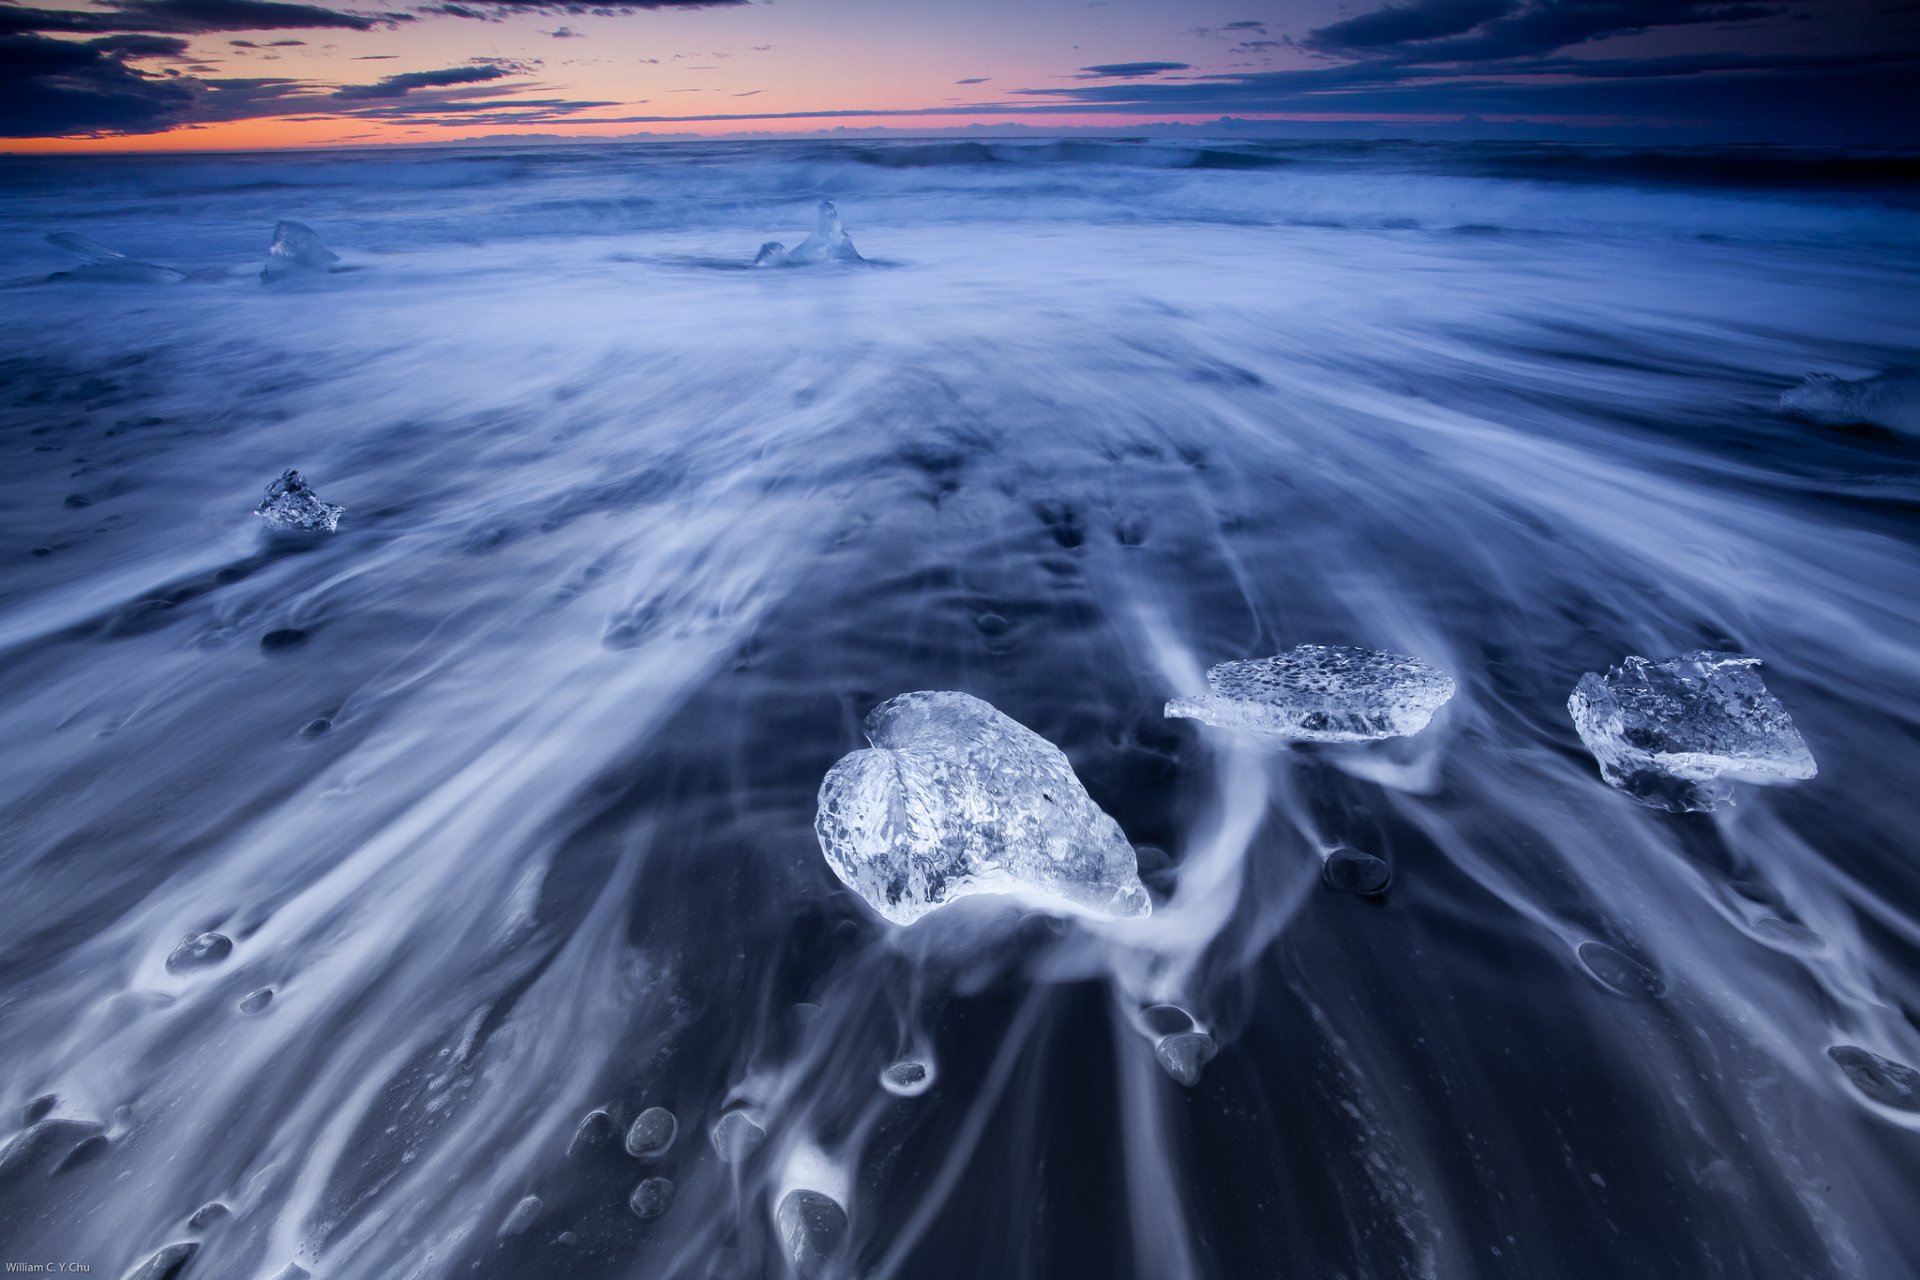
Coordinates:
<point>504,794</point>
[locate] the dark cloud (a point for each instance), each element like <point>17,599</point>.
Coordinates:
<point>76,88</point>
<point>1130,70</point>
<point>567,33</point>
<point>407,81</point>
<point>974,80</point>
<point>270,44</point>
<point>1490,30</point>
<point>189,17</point>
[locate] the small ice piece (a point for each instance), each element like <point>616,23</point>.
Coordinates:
<point>1890,1083</point>
<point>1665,732</point>
<point>199,951</point>
<point>291,506</point>
<point>907,1079</point>
<point>256,1001</point>
<point>735,1137</point>
<point>772,254</point>
<point>653,1197</point>
<point>954,799</point>
<point>651,1133</point>
<point>99,263</point>
<point>1890,400</point>
<point>814,1228</point>
<point>1321,693</point>
<point>296,249</point>
<point>208,1214</point>
<point>829,242</point>
<point>521,1218</point>
<point>1184,1053</point>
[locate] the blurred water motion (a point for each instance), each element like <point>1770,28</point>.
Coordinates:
<point>513,840</point>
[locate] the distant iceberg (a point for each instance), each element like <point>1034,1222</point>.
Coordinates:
<point>99,263</point>
<point>296,250</point>
<point>1321,693</point>
<point>828,243</point>
<point>1890,400</point>
<point>291,506</point>
<point>954,799</point>
<point>1666,732</point>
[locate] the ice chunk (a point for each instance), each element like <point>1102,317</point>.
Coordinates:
<point>99,263</point>
<point>199,951</point>
<point>813,1226</point>
<point>1321,693</point>
<point>907,1079</point>
<point>296,250</point>
<point>735,1137</point>
<point>1665,732</point>
<point>652,1133</point>
<point>1183,1055</point>
<point>1890,1083</point>
<point>1890,400</point>
<point>954,799</point>
<point>292,507</point>
<point>828,243</point>
<point>653,1197</point>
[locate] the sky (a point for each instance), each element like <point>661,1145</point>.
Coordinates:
<point>78,75</point>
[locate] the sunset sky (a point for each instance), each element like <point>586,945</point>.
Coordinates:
<point>189,74</point>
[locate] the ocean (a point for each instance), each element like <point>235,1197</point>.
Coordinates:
<point>501,798</point>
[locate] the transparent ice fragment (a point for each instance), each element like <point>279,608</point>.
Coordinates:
<point>99,263</point>
<point>907,1079</point>
<point>1184,1054</point>
<point>735,1137</point>
<point>1890,400</point>
<point>955,798</point>
<point>1321,693</point>
<point>1666,732</point>
<point>813,1227</point>
<point>296,249</point>
<point>292,507</point>
<point>772,254</point>
<point>828,243</point>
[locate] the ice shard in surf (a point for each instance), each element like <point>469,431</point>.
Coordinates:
<point>110,266</point>
<point>1672,734</point>
<point>1890,400</point>
<point>828,243</point>
<point>955,799</point>
<point>296,250</point>
<point>1321,693</point>
<point>291,506</point>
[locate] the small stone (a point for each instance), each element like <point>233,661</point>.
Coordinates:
<point>521,1218</point>
<point>78,500</point>
<point>199,951</point>
<point>208,1214</point>
<point>167,1263</point>
<point>992,624</point>
<point>907,1079</point>
<point>39,1109</point>
<point>256,1001</point>
<point>314,728</point>
<point>1890,1083</point>
<point>736,1136</point>
<point>567,1238</point>
<point>814,1229</point>
<point>43,551</point>
<point>282,639</point>
<point>653,1197</point>
<point>651,1133</point>
<point>1184,1054</point>
<point>1351,871</point>
<point>88,1150</point>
